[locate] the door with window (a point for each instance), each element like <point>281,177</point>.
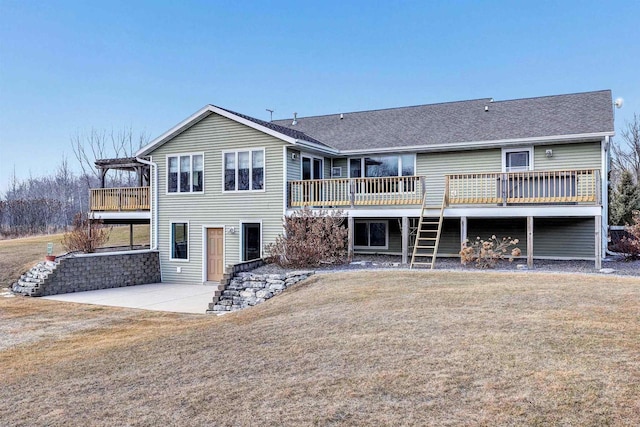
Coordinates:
<point>251,241</point>
<point>215,254</point>
<point>312,168</point>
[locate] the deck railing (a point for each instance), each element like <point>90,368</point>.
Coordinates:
<point>390,190</point>
<point>550,187</point>
<point>119,199</point>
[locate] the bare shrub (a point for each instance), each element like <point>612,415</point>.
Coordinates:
<point>629,245</point>
<point>86,235</point>
<point>310,239</point>
<point>487,253</point>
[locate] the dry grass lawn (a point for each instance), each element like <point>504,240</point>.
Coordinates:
<point>374,348</point>
<point>19,255</point>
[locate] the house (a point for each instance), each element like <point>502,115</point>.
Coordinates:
<point>533,169</point>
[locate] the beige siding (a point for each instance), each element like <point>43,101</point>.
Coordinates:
<point>434,166</point>
<point>214,207</point>
<point>568,156</point>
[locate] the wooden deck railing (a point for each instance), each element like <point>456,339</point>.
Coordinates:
<point>392,190</point>
<point>119,199</point>
<point>536,187</point>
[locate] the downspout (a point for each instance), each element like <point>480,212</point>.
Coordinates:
<point>154,203</point>
<point>606,160</point>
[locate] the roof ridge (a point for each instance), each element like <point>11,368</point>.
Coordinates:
<point>384,109</point>
<point>551,96</point>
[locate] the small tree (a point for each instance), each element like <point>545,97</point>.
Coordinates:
<point>487,253</point>
<point>86,235</point>
<point>629,245</point>
<point>310,240</point>
<point>625,199</point>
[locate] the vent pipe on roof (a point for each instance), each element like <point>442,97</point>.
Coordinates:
<point>341,116</point>
<point>486,108</point>
<point>295,119</point>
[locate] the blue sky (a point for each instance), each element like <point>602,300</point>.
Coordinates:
<point>68,66</point>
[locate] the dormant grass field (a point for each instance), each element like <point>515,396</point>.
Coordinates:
<point>365,348</point>
<point>19,255</point>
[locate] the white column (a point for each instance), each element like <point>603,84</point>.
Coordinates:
<point>530,241</point>
<point>463,231</point>
<point>598,242</point>
<point>405,239</point>
<point>350,226</point>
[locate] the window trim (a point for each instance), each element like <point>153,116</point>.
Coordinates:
<point>178,155</point>
<point>171,223</point>
<point>400,165</point>
<point>312,158</point>
<point>368,222</point>
<point>241,243</point>
<point>529,149</point>
<point>264,169</point>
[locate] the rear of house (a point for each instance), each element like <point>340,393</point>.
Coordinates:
<point>533,169</point>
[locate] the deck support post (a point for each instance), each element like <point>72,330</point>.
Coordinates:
<point>598,242</point>
<point>463,232</point>
<point>405,239</point>
<point>350,226</point>
<point>131,236</point>
<point>530,242</point>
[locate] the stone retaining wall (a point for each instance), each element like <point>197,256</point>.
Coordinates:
<point>249,289</point>
<point>88,272</point>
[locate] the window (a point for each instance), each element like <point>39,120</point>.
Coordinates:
<point>371,234</point>
<point>179,240</point>
<point>185,173</point>
<point>517,160</point>
<point>251,241</point>
<point>402,165</point>
<point>244,170</point>
<point>312,167</point>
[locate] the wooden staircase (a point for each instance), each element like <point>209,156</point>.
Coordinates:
<point>425,247</point>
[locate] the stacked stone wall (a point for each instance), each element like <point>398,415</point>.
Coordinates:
<point>248,289</point>
<point>88,272</point>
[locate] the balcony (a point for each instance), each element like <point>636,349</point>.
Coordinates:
<point>495,188</point>
<point>123,199</point>
<point>530,187</point>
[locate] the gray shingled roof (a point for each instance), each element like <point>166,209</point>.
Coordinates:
<point>464,121</point>
<point>293,133</point>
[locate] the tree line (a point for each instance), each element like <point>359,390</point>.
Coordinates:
<point>48,204</point>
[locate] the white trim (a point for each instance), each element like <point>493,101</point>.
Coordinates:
<point>171,258</point>
<point>264,170</point>
<point>205,260</point>
<point>505,150</point>
<point>369,247</point>
<point>135,215</point>
<point>285,182</point>
<point>497,143</point>
<point>605,145</point>
<point>166,180</point>
<point>334,169</point>
<point>206,111</point>
<point>241,243</point>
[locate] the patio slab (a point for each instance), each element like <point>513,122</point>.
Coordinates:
<point>177,298</point>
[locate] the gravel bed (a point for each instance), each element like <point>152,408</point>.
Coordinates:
<point>372,262</point>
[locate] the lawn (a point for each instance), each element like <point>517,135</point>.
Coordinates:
<point>366,348</point>
<point>18,255</point>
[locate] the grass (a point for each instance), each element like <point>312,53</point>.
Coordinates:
<point>18,255</point>
<point>375,348</point>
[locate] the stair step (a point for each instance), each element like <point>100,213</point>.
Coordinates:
<point>425,247</point>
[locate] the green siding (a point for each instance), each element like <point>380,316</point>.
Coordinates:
<point>568,156</point>
<point>342,163</point>
<point>214,207</point>
<point>564,237</point>
<point>434,166</point>
<point>515,228</point>
<point>293,166</point>
<point>449,238</point>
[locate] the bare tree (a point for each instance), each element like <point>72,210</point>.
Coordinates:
<point>100,144</point>
<point>626,156</point>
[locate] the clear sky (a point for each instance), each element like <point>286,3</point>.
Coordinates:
<point>68,66</point>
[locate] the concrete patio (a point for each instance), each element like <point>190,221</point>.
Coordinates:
<point>171,297</point>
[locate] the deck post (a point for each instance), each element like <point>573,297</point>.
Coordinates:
<point>350,226</point>
<point>463,232</point>
<point>530,241</point>
<point>405,239</point>
<point>131,236</point>
<point>598,237</point>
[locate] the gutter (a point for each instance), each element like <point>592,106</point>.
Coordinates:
<point>154,203</point>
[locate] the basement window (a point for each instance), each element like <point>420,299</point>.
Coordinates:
<point>371,234</point>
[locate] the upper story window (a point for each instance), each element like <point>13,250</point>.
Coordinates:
<point>243,170</point>
<point>185,173</point>
<point>393,165</point>
<point>517,159</point>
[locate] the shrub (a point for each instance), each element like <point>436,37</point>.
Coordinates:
<point>629,245</point>
<point>85,235</point>
<point>487,253</point>
<point>310,240</point>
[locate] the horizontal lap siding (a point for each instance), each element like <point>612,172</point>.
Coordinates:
<point>341,163</point>
<point>564,237</point>
<point>568,156</point>
<point>213,207</point>
<point>434,166</point>
<point>515,228</point>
